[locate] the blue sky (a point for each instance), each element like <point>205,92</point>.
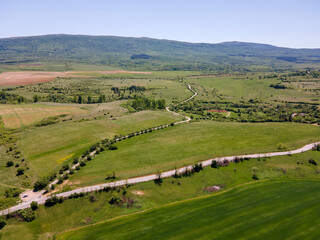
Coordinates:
<point>286,23</point>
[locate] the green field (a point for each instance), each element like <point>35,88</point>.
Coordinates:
<point>158,85</point>
<point>81,212</point>
<point>190,143</point>
<point>245,87</point>
<point>64,140</point>
<point>265,210</point>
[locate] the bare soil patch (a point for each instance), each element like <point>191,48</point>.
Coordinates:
<point>24,78</point>
<point>138,192</point>
<point>110,72</point>
<point>31,77</point>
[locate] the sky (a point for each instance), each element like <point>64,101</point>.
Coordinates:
<point>284,23</point>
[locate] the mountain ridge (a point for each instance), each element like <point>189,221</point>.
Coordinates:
<point>118,51</point>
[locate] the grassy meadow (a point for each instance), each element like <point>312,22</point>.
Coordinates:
<point>266,210</point>
<point>81,212</point>
<point>190,143</point>
<point>250,86</point>
<point>16,116</point>
<point>65,140</point>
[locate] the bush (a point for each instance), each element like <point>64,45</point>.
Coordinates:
<point>113,147</point>
<point>316,147</point>
<point>197,167</point>
<point>9,163</point>
<point>20,171</point>
<point>74,195</point>
<point>12,192</point>
<point>214,164</point>
<point>312,161</point>
<point>281,146</point>
<point>2,224</point>
<point>172,124</point>
<point>51,201</point>
<point>27,215</point>
<point>40,184</point>
<point>65,167</point>
<point>82,164</point>
<point>34,206</point>
<point>60,200</point>
<point>111,175</point>
<point>114,200</point>
<point>78,168</point>
<point>92,198</point>
<point>75,161</point>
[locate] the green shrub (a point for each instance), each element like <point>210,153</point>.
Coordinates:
<point>9,163</point>
<point>34,205</point>
<point>51,201</point>
<point>20,171</point>
<point>12,192</point>
<point>113,147</point>
<point>214,164</point>
<point>2,224</point>
<point>27,215</point>
<point>40,184</point>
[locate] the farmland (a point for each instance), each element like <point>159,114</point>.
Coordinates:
<point>258,211</point>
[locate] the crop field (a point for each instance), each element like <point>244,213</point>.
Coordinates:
<point>16,116</point>
<point>190,143</point>
<point>81,212</point>
<point>79,136</point>
<point>266,210</point>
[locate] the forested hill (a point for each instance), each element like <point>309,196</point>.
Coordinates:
<point>149,53</point>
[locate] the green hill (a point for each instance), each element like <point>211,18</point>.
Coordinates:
<point>128,52</point>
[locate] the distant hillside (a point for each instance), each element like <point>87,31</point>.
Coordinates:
<point>149,53</point>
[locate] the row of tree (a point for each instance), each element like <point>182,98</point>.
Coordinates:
<point>143,103</point>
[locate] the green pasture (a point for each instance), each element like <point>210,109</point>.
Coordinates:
<point>81,212</point>
<point>46,148</point>
<point>190,143</point>
<point>265,210</point>
<point>237,87</point>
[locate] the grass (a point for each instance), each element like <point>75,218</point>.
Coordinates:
<point>237,87</point>
<point>158,85</point>
<point>16,116</point>
<point>266,210</point>
<point>69,139</point>
<point>190,143</point>
<point>81,212</point>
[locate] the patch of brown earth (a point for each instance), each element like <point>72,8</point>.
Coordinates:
<point>138,192</point>
<point>24,78</point>
<point>110,72</point>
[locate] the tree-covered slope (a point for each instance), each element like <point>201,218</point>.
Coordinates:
<point>155,53</point>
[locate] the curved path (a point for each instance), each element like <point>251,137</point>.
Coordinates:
<point>40,198</point>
